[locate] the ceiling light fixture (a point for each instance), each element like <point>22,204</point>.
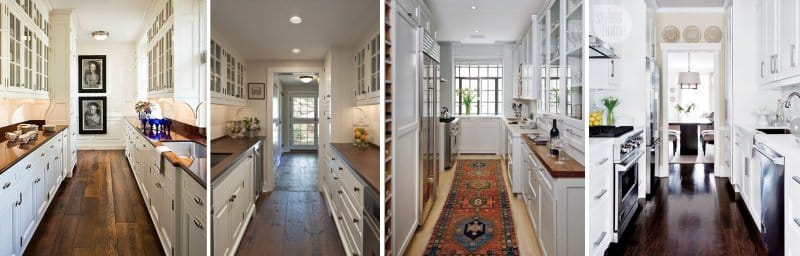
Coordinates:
<point>100,35</point>
<point>306,79</point>
<point>295,19</point>
<point>474,7</point>
<point>477,31</point>
<point>295,50</point>
<point>689,80</point>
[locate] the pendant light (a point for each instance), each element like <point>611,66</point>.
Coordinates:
<point>689,80</point>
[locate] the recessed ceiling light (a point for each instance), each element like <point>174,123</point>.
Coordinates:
<point>100,35</point>
<point>477,31</point>
<point>295,19</point>
<point>306,79</point>
<point>474,7</point>
<point>295,50</point>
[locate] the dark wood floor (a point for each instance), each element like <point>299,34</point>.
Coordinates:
<point>293,219</point>
<point>692,213</point>
<point>99,211</point>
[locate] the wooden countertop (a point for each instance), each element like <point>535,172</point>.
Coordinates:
<point>12,153</point>
<point>195,168</point>
<point>234,147</point>
<point>364,162</point>
<point>571,169</point>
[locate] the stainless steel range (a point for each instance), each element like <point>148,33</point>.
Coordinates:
<point>451,130</point>
<point>628,149</point>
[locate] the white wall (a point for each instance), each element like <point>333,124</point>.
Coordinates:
<point>18,110</point>
<point>120,92</point>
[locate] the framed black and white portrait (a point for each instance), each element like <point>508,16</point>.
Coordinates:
<point>255,91</point>
<point>92,115</point>
<point>92,74</point>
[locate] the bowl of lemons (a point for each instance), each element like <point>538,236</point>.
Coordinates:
<point>596,117</point>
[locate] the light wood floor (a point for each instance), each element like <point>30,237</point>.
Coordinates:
<point>526,239</point>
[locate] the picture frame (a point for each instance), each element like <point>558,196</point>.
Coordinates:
<point>256,91</point>
<point>92,118</point>
<point>91,74</point>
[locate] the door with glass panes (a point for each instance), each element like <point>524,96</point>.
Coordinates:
<point>303,121</point>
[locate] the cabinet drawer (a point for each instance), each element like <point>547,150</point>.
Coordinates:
<point>354,188</point>
<point>600,230</point>
<point>8,179</point>
<point>545,179</point>
<point>793,215</point>
<point>793,185</point>
<point>352,224</point>
<point>195,193</point>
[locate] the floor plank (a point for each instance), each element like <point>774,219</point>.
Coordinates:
<point>692,213</point>
<point>99,211</point>
<point>293,219</point>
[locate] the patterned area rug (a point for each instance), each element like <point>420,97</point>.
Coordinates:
<point>476,219</point>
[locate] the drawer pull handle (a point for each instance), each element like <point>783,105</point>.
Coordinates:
<point>42,154</point>
<point>158,185</point>
<point>233,198</point>
<point>51,146</point>
<point>603,161</point>
<point>355,220</point>
<point>8,184</point>
<point>56,158</point>
<point>198,224</point>
<point>28,166</point>
<point>20,200</point>
<point>600,240</point>
<point>341,169</point>
<point>197,200</point>
<point>796,179</point>
<point>601,194</point>
<point>37,180</point>
<point>356,189</point>
<point>340,191</point>
<point>340,218</point>
<point>797,221</point>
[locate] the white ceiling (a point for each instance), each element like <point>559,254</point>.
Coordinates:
<point>690,3</point>
<point>122,19</point>
<point>260,30</point>
<point>497,20</point>
<point>293,80</point>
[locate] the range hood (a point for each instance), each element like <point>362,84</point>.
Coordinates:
<point>601,49</point>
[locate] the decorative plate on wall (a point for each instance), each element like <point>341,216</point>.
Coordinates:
<point>671,34</point>
<point>691,34</point>
<point>713,34</point>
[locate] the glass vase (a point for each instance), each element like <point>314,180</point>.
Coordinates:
<point>610,118</point>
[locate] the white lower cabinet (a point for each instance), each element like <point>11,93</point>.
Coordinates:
<point>233,205</point>
<point>345,196</point>
<point>473,138</point>
<point>171,197</point>
<point>26,190</point>
<point>555,207</point>
<point>600,200</point>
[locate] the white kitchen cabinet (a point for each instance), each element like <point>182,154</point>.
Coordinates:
<point>366,71</point>
<point>601,205</point>
<point>548,220</point>
<point>25,72</point>
<point>526,86</point>
<point>344,195</point>
<point>227,76</point>
<point>475,136</point>
<point>778,23</point>
<point>603,73</point>
<point>9,197</point>
<point>193,220</point>
<point>233,205</point>
<point>789,38</point>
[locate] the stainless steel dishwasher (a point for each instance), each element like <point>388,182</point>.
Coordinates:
<point>258,181</point>
<point>772,170</point>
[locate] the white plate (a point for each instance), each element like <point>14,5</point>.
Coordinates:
<point>671,34</point>
<point>713,34</point>
<point>691,34</point>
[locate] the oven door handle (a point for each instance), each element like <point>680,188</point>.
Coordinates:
<point>635,160</point>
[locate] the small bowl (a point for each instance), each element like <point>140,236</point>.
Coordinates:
<point>11,136</point>
<point>25,138</point>
<point>22,126</point>
<point>49,128</point>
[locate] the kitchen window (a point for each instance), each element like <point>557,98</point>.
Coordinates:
<point>484,80</point>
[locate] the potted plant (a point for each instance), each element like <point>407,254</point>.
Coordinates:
<point>467,97</point>
<point>611,103</point>
<point>685,110</point>
<point>143,108</point>
<point>251,126</point>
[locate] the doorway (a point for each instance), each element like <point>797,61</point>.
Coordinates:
<point>277,139</point>
<point>691,108</point>
<point>303,121</point>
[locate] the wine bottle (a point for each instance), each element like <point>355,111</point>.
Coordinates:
<point>554,134</point>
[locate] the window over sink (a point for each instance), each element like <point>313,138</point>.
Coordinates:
<point>483,80</point>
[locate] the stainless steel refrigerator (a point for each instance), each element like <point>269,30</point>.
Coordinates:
<point>429,107</point>
<point>653,123</point>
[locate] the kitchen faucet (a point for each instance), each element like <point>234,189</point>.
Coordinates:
<point>788,104</point>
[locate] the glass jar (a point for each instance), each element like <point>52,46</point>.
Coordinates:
<point>361,135</point>
<point>595,117</point>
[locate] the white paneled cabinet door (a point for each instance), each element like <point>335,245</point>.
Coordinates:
<point>24,213</point>
<point>8,202</point>
<point>193,230</point>
<point>40,189</point>
<point>789,15</point>
<point>547,231</point>
<point>223,241</point>
<point>168,218</point>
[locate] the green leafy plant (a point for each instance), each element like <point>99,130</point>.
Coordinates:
<point>252,123</point>
<point>685,109</point>
<point>611,103</point>
<point>467,97</point>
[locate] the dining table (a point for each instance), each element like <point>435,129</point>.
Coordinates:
<point>690,130</point>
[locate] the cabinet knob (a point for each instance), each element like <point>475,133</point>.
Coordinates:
<point>42,154</point>
<point>28,166</point>
<point>158,185</point>
<point>8,184</point>
<point>340,191</point>
<point>198,224</point>
<point>355,220</point>
<point>198,200</point>
<point>233,198</point>
<point>341,169</point>
<point>56,158</point>
<point>37,180</point>
<point>356,189</point>
<point>51,146</point>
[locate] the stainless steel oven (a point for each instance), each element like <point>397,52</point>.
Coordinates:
<point>371,245</point>
<point>626,190</point>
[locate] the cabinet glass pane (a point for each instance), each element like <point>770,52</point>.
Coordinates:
<point>574,64</point>
<point>542,31</point>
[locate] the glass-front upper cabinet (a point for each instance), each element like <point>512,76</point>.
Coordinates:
<point>554,69</point>
<point>542,36</point>
<point>574,59</point>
